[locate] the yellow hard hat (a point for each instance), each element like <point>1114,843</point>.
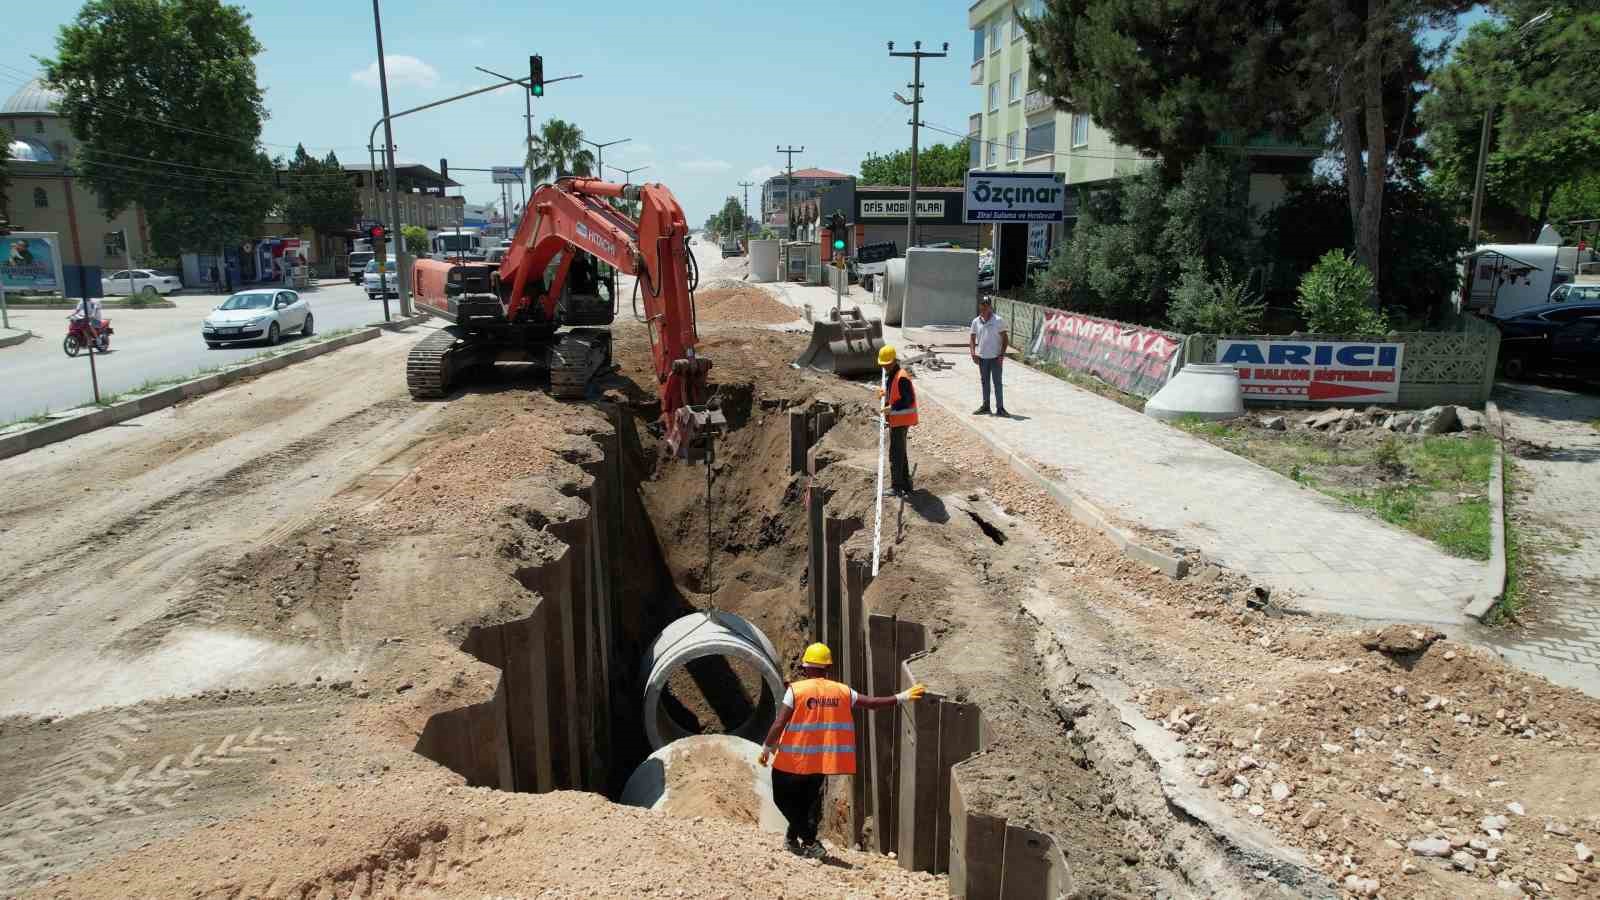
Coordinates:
<point>886,355</point>
<point>818,655</point>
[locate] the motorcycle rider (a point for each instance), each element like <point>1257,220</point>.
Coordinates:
<point>88,310</point>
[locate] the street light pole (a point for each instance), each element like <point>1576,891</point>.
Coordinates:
<point>917,54</point>
<point>1483,142</point>
<point>527,99</point>
<point>600,156</point>
<point>388,169</point>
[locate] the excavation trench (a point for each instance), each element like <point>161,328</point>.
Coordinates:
<point>613,659</point>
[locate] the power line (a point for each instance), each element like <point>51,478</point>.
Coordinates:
<point>1077,155</point>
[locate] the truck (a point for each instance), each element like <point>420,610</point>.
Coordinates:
<point>457,243</point>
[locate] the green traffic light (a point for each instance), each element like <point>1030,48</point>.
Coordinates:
<point>538,90</point>
<point>838,245</point>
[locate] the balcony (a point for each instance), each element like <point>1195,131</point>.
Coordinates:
<point>977,72</point>
<point>1035,102</point>
<point>975,123</point>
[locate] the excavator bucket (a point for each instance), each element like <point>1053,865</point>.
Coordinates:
<point>845,343</point>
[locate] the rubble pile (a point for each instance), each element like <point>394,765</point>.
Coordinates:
<point>1433,420</point>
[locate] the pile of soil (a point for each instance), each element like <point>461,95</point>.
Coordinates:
<point>711,782</point>
<point>743,304</point>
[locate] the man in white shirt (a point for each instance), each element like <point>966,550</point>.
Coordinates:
<point>88,309</point>
<point>988,343</point>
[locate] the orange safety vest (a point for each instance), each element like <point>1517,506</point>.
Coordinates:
<point>820,738</point>
<point>901,418</point>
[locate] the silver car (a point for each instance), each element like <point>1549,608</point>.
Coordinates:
<point>258,315</point>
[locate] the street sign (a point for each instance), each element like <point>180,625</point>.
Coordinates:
<point>1015,197</point>
<point>506,175</point>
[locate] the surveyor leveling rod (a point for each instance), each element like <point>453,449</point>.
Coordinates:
<point>883,428</point>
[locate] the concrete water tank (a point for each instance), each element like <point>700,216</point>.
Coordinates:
<point>714,771</point>
<point>1201,391</point>
<point>941,287</point>
<point>892,290</point>
<point>763,261</point>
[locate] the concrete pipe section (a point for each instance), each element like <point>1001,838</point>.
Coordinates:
<point>692,637</point>
<point>711,765</point>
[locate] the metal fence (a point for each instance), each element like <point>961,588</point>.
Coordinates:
<point>1455,364</point>
<point>1023,320</point>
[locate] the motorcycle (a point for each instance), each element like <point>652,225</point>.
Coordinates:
<point>78,336</point>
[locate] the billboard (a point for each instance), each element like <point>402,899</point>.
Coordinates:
<point>1315,371</point>
<point>506,174</point>
<point>30,261</point>
<point>872,208</point>
<point>1131,357</point>
<point>1015,197</point>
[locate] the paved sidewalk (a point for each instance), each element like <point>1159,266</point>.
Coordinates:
<point>10,337</point>
<point>1153,477</point>
<point>1553,442</point>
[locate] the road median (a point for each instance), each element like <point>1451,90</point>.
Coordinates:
<point>76,422</point>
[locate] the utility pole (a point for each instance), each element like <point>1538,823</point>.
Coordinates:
<point>600,157</point>
<point>917,54</point>
<point>788,185</point>
<point>388,168</point>
<point>747,185</point>
<point>1483,142</point>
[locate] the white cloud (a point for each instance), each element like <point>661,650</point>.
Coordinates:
<point>707,165</point>
<point>762,173</point>
<point>402,70</point>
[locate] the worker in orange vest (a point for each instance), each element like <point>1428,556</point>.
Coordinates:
<point>900,408</point>
<point>818,737</point>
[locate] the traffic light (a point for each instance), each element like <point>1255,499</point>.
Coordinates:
<point>375,232</point>
<point>536,75</point>
<point>836,227</point>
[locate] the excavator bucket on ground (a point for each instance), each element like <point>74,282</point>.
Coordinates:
<point>846,343</point>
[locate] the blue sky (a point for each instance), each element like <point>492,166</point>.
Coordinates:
<point>704,89</point>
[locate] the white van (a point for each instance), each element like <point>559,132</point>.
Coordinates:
<point>1500,279</point>
<point>376,282</point>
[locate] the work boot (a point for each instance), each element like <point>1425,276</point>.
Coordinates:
<point>794,846</point>
<point>817,851</point>
<point>981,411</point>
<point>1001,412</point>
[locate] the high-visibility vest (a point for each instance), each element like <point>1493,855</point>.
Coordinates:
<point>820,738</point>
<point>901,418</point>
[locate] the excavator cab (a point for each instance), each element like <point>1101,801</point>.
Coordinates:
<point>589,296</point>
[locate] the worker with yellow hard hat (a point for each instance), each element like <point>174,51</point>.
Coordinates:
<point>900,408</point>
<point>814,737</point>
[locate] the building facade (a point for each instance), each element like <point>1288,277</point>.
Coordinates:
<point>422,196</point>
<point>46,195</point>
<point>808,184</point>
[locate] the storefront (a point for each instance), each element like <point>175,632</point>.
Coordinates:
<point>880,213</point>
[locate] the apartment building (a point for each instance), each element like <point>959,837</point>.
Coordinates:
<point>808,184</point>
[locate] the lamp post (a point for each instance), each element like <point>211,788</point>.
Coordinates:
<point>600,156</point>
<point>917,55</point>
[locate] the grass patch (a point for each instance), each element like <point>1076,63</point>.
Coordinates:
<point>1595,424</point>
<point>1090,384</point>
<point>1435,487</point>
<point>38,418</point>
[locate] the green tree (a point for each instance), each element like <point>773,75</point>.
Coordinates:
<point>163,98</point>
<point>1334,297</point>
<point>731,219</point>
<point>1223,306</point>
<point>1172,77</point>
<point>318,194</point>
<point>416,238</point>
<point>1546,130</point>
<point>558,151</point>
<point>938,165</point>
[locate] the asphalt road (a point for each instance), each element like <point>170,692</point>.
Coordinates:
<point>146,344</point>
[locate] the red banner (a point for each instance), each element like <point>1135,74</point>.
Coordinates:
<point>1133,358</point>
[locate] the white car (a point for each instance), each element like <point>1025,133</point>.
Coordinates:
<point>258,315</point>
<point>375,285</point>
<point>143,281</point>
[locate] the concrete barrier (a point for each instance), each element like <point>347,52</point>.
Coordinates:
<point>60,430</point>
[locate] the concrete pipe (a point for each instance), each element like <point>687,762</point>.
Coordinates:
<point>711,765</point>
<point>692,637</point>
<point>893,291</point>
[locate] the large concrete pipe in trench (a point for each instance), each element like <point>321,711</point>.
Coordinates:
<point>692,637</point>
<point>650,785</point>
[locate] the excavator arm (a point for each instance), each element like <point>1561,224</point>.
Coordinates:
<point>573,214</point>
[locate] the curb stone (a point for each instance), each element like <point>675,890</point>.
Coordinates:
<point>34,438</point>
<point>1493,586</point>
<point>12,340</point>
<point>1080,508</point>
<point>400,324</point>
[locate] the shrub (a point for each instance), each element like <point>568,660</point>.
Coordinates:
<point>1203,306</point>
<point>1336,297</point>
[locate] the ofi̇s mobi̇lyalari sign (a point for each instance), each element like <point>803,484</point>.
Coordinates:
<point>1317,371</point>
<point>1015,197</point>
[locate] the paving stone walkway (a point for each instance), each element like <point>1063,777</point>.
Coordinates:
<point>1554,444</point>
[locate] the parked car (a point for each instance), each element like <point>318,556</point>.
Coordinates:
<point>496,256</point>
<point>142,281</point>
<point>1567,293</point>
<point>376,282</point>
<point>1526,337</point>
<point>358,265</point>
<point>258,315</point>
<point>732,247</point>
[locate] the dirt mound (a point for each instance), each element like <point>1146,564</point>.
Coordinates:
<point>422,836</point>
<point>711,782</point>
<point>742,303</point>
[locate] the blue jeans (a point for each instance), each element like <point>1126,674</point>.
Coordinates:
<point>989,370</point>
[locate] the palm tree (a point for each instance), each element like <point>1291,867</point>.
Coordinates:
<point>558,150</point>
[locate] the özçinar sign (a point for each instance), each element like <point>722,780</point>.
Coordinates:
<point>1315,371</point>
<point>1015,197</point>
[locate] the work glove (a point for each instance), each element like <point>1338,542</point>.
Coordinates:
<point>911,694</point>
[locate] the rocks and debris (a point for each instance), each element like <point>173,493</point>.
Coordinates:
<point>1401,640</point>
<point>1275,423</point>
<point>1431,421</point>
<point>1439,847</point>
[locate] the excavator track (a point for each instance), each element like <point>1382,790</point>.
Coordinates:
<point>430,365</point>
<point>576,358</point>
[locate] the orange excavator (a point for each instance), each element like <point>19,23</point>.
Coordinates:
<point>551,301</point>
